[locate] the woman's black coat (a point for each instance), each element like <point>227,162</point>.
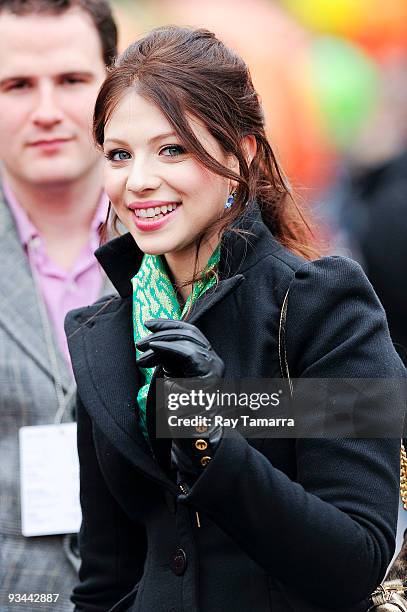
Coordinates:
<point>285,524</point>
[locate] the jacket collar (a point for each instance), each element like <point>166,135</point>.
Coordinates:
<point>121,258</point>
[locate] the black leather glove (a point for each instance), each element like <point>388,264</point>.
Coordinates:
<point>184,352</point>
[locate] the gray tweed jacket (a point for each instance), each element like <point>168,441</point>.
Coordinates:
<point>27,397</point>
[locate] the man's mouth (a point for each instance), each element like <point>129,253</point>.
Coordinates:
<point>49,142</point>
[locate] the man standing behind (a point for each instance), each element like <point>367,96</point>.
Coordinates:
<point>53,58</point>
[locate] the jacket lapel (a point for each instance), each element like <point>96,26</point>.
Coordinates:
<point>19,311</point>
<point>213,296</point>
<point>108,385</point>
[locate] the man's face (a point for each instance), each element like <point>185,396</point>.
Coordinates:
<point>51,68</point>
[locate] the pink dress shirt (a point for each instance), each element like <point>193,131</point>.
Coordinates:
<point>61,290</point>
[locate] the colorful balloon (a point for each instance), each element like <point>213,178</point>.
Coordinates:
<point>346,87</point>
<point>379,27</point>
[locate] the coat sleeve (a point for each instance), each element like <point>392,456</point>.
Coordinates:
<point>112,547</point>
<point>329,536</point>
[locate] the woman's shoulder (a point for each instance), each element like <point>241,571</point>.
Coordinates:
<point>335,268</point>
<point>328,281</point>
<point>332,284</point>
<point>335,323</point>
<point>329,274</point>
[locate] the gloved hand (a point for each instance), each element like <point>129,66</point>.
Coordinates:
<point>184,352</point>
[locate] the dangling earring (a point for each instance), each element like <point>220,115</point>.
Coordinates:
<point>231,199</point>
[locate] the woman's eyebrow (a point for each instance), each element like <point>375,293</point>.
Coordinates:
<point>149,141</point>
<point>162,136</point>
<point>115,141</point>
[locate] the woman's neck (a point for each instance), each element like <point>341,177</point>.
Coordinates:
<point>184,264</point>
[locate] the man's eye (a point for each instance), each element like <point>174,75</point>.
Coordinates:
<point>117,155</point>
<point>72,80</point>
<point>17,85</point>
<point>172,151</point>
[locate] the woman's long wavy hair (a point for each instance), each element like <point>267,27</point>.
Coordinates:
<point>188,72</point>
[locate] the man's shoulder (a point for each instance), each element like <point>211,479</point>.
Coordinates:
<point>6,216</point>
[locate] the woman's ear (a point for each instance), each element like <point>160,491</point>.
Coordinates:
<point>249,146</point>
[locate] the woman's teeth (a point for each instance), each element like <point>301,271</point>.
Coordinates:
<point>156,213</point>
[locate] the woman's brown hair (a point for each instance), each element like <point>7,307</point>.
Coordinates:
<point>188,72</point>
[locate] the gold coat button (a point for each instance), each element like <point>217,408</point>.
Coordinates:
<point>201,428</point>
<point>201,445</point>
<point>205,460</point>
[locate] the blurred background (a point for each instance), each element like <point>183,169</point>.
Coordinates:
<point>332,76</point>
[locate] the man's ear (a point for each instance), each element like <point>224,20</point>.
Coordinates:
<point>249,146</point>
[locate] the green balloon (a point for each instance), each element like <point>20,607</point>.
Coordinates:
<point>346,84</point>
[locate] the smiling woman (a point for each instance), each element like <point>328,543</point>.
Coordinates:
<point>215,245</point>
<point>155,183</point>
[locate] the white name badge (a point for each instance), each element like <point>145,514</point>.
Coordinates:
<point>49,477</point>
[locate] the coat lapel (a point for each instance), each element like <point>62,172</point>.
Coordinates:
<point>19,311</point>
<point>215,295</point>
<point>108,384</point>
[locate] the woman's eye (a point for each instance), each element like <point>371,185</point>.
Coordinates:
<point>117,155</point>
<point>172,151</point>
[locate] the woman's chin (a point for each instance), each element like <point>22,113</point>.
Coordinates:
<point>152,246</point>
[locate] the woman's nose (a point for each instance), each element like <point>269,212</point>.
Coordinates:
<point>142,177</point>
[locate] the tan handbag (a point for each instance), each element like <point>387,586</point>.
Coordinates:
<point>389,597</point>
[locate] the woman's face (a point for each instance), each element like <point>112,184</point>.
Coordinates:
<point>163,196</point>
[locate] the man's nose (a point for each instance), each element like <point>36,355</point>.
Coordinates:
<point>142,176</point>
<point>47,111</point>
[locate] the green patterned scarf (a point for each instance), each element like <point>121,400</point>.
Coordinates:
<point>154,297</point>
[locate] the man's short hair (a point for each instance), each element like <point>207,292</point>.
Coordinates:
<point>99,11</point>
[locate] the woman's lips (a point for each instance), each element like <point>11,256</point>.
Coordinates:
<point>148,224</point>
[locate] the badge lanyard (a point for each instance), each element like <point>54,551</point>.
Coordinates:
<point>48,453</point>
<point>63,400</point>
